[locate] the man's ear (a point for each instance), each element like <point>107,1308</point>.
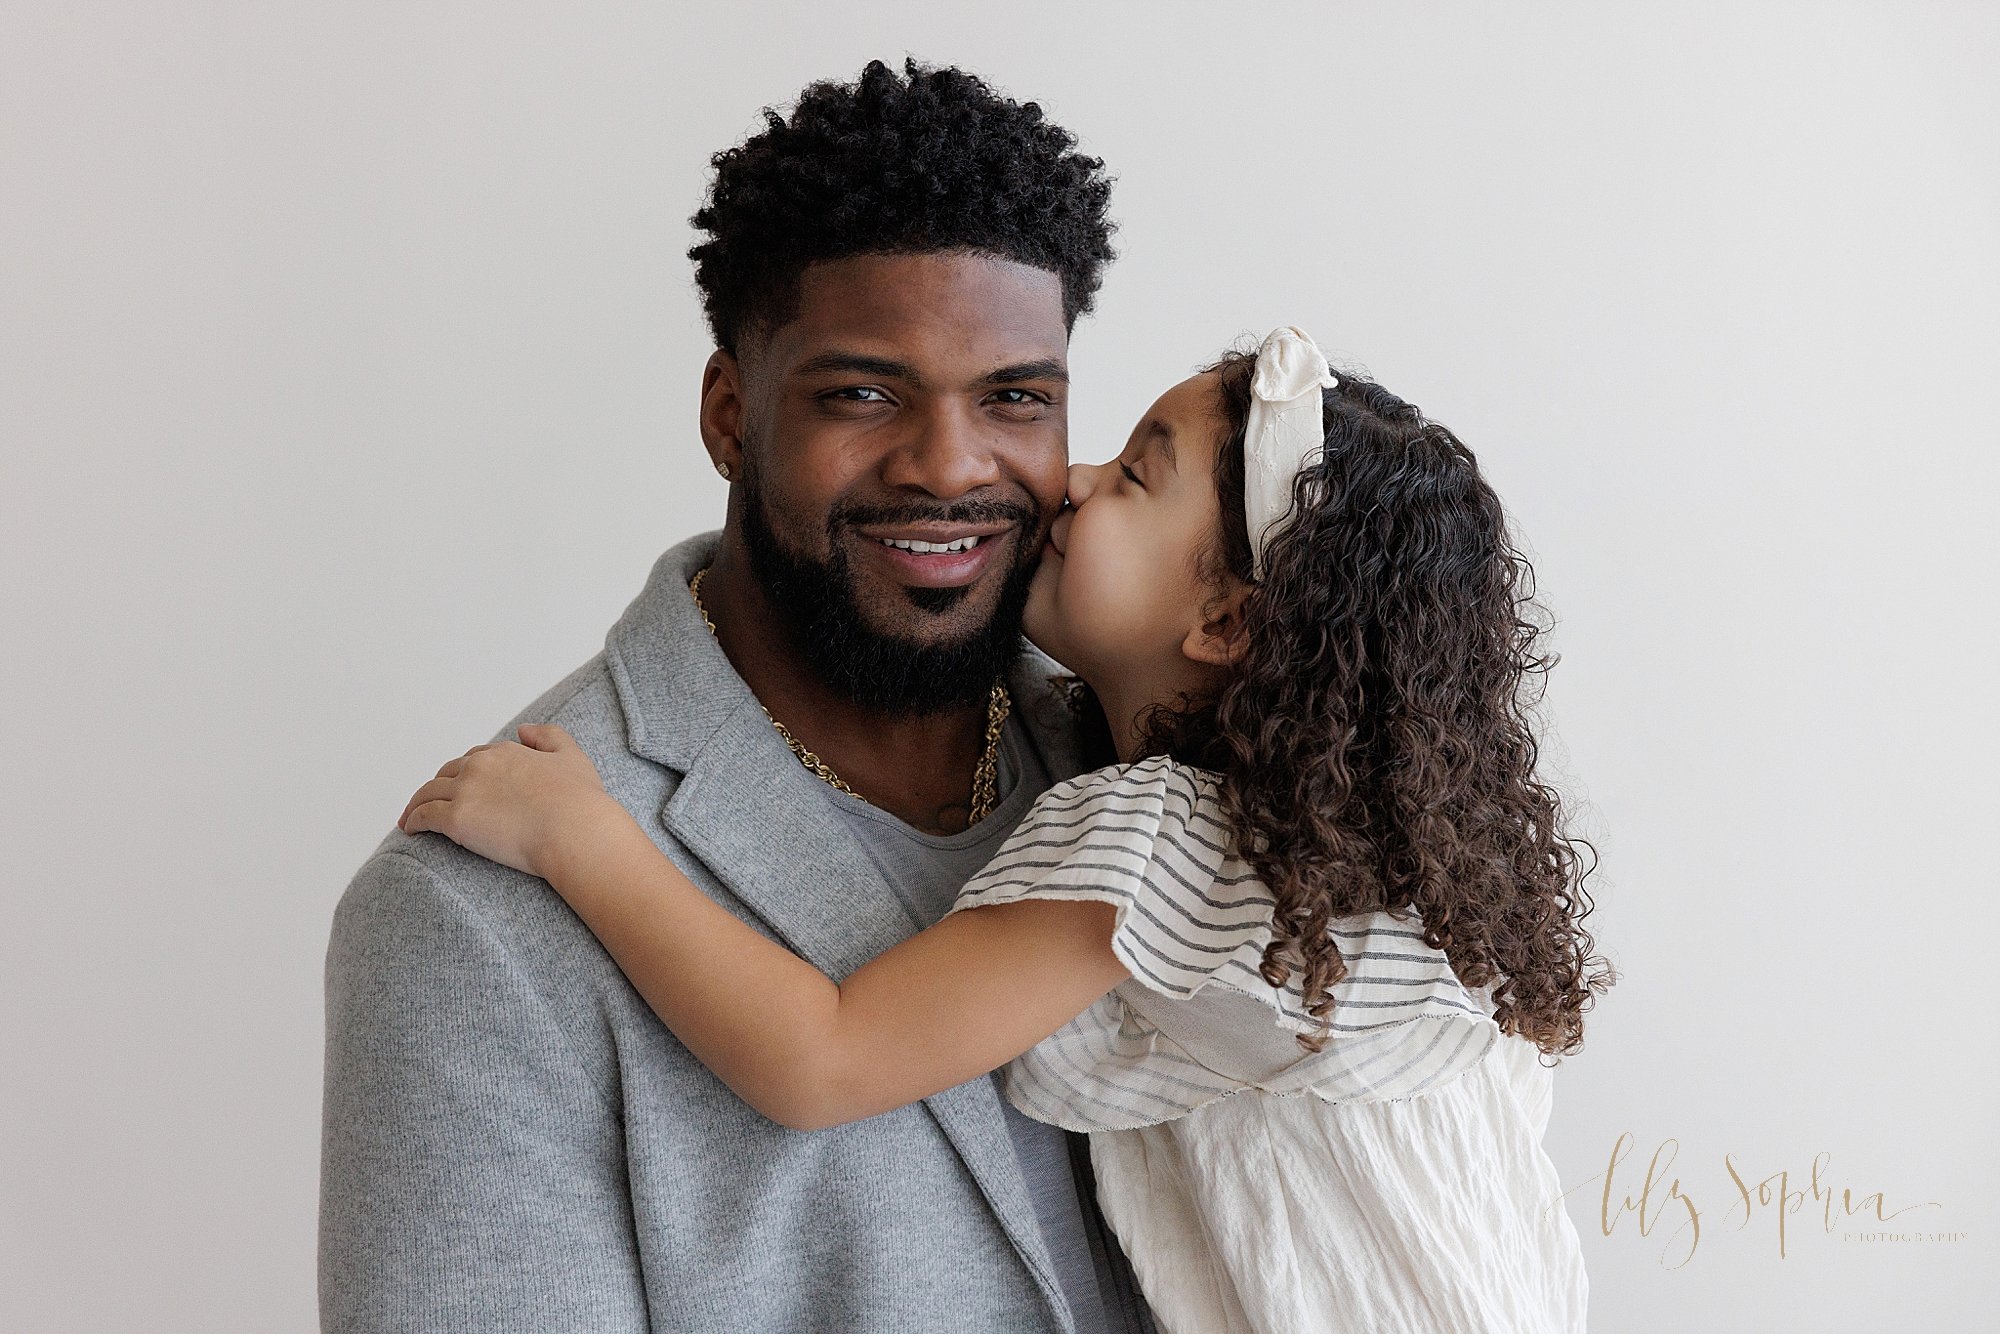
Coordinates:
<point>722,413</point>
<point>1221,637</point>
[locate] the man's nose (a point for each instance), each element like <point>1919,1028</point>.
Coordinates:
<point>946,455</point>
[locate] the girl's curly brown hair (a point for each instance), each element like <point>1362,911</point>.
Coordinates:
<point>1374,740</point>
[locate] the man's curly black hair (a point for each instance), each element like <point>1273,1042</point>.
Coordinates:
<point>932,160</point>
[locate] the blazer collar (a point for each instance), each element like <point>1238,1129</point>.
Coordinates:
<point>754,817</point>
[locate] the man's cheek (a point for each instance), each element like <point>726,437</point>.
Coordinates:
<point>1032,538</point>
<point>1050,482</point>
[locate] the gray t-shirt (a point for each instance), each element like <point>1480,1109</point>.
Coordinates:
<point>927,871</point>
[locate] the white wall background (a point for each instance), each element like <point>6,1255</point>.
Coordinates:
<point>348,359</point>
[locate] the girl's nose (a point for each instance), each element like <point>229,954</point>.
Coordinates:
<point>1082,481</point>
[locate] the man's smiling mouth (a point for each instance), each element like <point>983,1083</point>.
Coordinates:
<point>938,555</point>
<point>927,548</point>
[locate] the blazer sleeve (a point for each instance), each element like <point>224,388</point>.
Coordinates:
<point>472,1172</point>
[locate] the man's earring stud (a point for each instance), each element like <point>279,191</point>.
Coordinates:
<point>723,468</point>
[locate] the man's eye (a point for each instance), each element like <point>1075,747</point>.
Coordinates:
<point>857,390</point>
<point>1026,396</point>
<point>1133,477</point>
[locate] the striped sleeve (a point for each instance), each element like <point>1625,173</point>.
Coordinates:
<point>1149,839</point>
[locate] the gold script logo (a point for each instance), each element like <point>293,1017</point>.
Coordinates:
<point>1658,1196</point>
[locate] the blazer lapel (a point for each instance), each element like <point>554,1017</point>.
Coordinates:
<point>748,811</point>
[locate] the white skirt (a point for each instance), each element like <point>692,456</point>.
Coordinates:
<point>1269,1214</point>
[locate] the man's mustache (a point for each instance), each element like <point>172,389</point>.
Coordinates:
<point>952,512</point>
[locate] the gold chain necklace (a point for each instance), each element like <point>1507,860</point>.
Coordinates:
<point>985,778</point>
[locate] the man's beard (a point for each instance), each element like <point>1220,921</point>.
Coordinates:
<point>815,601</point>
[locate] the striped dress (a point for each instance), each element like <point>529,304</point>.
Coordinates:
<point>1393,1182</point>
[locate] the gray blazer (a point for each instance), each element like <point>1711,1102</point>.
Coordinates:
<point>511,1139</point>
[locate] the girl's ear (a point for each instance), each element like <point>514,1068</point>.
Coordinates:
<point>1220,637</point>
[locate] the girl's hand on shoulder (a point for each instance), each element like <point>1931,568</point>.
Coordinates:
<point>514,802</point>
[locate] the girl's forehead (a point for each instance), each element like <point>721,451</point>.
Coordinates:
<point>1189,414</point>
<point>1196,397</point>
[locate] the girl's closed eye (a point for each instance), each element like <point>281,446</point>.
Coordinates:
<point>1130,476</point>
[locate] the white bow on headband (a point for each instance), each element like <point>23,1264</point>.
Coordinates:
<point>1285,429</point>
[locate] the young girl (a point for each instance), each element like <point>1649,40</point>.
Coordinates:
<point>1291,962</point>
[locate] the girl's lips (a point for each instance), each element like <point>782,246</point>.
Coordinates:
<point>1058,531</point>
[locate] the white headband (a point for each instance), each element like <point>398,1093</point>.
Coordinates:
<point>1285,429</point>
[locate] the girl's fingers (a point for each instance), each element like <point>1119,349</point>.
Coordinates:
<point>427,815</point>
<point>438,789</point>
<point>544,736</point>
<point>453,767</point>
<point>447,786</point>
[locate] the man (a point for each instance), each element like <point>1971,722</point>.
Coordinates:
<point>826,716</point>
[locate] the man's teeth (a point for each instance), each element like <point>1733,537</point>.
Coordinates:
<point>930,548</point>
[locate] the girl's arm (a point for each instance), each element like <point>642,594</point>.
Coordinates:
<point>956,1001</point>
<point>950,1003</point>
